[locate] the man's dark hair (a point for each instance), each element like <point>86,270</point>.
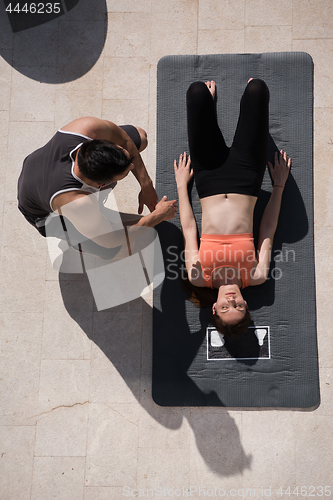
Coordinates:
<point>99,160</point>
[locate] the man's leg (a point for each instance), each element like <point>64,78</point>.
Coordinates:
<point>144,139</point>
<point>138,136</point>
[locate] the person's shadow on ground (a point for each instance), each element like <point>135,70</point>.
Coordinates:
<point>54,42</point>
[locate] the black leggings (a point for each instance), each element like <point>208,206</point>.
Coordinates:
<point>217,168</point>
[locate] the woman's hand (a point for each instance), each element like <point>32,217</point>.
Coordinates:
<point>183,172</point>
<point>281,168</point>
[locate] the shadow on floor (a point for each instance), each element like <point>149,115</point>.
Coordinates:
<point>55,47</point>
<point>115,332</point>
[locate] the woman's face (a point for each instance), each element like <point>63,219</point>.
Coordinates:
<point>230,305</point>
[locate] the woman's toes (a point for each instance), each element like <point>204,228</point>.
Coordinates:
<point>212,87</point>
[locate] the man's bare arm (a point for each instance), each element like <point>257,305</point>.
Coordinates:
<point>95,128</point>
<point>85,215</point>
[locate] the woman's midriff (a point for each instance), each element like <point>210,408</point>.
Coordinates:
<point>229,213</point>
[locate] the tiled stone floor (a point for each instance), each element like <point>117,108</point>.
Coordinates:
<point>77,419</point>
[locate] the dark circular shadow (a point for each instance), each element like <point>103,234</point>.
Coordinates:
<point>54,47</point>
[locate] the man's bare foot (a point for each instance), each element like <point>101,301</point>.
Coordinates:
<point>211,87</point>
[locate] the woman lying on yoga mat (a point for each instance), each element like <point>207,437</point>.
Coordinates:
<point>228,182</point>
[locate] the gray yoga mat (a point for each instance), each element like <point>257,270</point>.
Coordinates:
<point>275,363</point>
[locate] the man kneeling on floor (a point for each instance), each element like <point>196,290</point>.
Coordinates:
<point>84,157</point>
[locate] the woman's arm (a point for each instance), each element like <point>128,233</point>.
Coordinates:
<point>270,217</point>
<point>183,174</point>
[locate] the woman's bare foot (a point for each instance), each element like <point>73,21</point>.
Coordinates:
<point>211,87</point>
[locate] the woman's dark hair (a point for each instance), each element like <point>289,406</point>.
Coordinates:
<point>232,331</point>
<point>99,160</point>
<point>206,297</point>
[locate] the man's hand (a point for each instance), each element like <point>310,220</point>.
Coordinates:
<point>166,210</point>
<point>147,196</point>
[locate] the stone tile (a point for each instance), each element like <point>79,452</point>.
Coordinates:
<point>125,42</point>
<point>323,143</point>
<point>6,34</point>
<point>161,427</point>
<point>16,294</point>
<point>87,11</point>
<point>5,82</point>
<point>150,152</point>
<point>4,126</point>
<point>128,5</point>
<point>20,342</point>
<point>19,238</point>
<point>116,357</point>
<point>322,54</point>
<point>326,394</point>
<point>268,13</point>
<point>268,39</point>
<point>206,483</point>
<point>58,477</point>
<point>173,6</point>
<point>63,383</point>
<point>135,72</point>
<point>80,46</point>
<point>67,326</point>
<point>92,80</point>
<point>324,321</point>
<point>104,493</point>
<point>216,446</point>
<point>313,436</point>
<point>220,41</point>
<point>157,470</point>
<point>21,271</point>
<point>74,104</point>
<point>23,108</point>
<point>312,19</point>
<point>273,452</point>
<point>31,136</point>
<point>222,15</point>
<point>126,111</point>
<point>37,50</point>
<point>62,432</point>
<point>324,264</point>
<point>173,34</point>
<point>323,149</point>
<point>112,451</point>
<point>17,454</point>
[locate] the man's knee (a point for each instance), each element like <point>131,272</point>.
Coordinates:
<point>143,137</point>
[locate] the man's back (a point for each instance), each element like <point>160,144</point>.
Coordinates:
<point>48,172</point>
